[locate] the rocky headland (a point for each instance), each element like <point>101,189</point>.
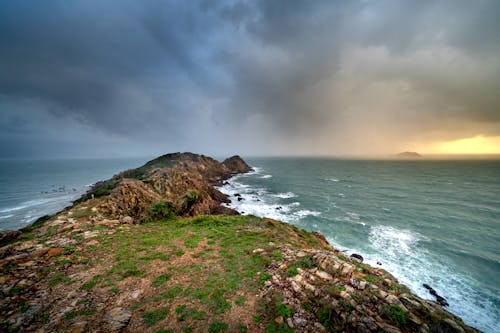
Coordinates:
<point>154,250</point>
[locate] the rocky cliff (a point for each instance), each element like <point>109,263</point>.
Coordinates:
<point>183,179</point>
<point>143,252</point>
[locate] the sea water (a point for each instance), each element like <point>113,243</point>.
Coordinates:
<point>434,222</point>
<point>30,189</point>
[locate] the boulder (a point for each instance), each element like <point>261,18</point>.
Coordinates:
<point>117,318</point>
<point>357,257</point>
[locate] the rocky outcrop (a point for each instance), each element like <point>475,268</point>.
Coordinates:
<point>329,292</point>
<point>235,164</point>
<point>171,178</point>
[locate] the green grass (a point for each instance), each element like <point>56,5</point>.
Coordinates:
<point>160,280</point>
<point>398,316</point>
<point>153,316</point>
<point>217,326</point>
<point>58,278</point>
<point>81,213</point>
<point>85,312</point>
<point>92,283</point>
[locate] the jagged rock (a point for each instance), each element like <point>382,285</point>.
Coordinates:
<point>117,318</point>
<point>452,324</point>
<point>357,257</point>
<point>323,275</point>
<point>8,235</point>
<point>127,220</point>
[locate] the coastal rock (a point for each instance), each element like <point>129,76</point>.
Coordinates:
<point>357,257</point>
<point>127,220</point>
<point>117,318</point>
<point>236,164</point>
<point>8,235</point>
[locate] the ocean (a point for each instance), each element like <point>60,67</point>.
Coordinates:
<point>30,189</point>
<point>434,222</point>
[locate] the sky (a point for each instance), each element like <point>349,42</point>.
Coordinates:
<point>100,78</point>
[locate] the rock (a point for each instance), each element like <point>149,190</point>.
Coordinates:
<point>357,257</point>
<point>323,275</point>
<point>289,322</point>
<point>236,164</point>
<point>454,325</point>
<point>295,287</point>
<point>54,252</point>
<point>300,322</point>
<point>128,220</point>
<point>379,263</point>
<point>441,301</point>
<point>391,299</point>
<point>259,250</point>
<point>240,198</point>
<point>117,318</point>
<point>79,327</point>
<point>8,235</point>
<point>362,285</point>
<point>390,329</point>
<point>347,269</point>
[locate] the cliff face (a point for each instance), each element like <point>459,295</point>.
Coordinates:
<point>184,179</point>
<point>90,269</point>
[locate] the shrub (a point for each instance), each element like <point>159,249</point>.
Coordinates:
<point>398,315</point>
<point>162,210</point>
<point>189,199</point>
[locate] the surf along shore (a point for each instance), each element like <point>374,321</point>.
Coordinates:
<point>154,250</point>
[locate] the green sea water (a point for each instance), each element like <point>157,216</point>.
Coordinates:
<point>434,222</point>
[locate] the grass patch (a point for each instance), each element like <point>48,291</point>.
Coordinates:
<point>240,300</point>
<point>58,278</point>
<point>154,316</point>
<point>398,316</point>
<point>85,312</point>
<point>92,283</point>
<point>83,212</point>
<point>217,326</point>
<point>160,280</point>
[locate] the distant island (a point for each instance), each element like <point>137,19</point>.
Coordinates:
<point>408,154</point>
<point>154,249</point>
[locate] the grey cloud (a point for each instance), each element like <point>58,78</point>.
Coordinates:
<point>195,75</point>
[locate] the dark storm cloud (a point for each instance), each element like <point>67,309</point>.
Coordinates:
<point>257,77</point>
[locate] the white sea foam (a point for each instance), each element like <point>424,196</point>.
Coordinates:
<point>261,202</point>
<point>286,195</point>
<point>266,176</point>
<point>333,179</point>
<point>32,203</point>
<point>6,216</point>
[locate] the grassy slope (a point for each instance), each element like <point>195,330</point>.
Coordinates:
<point>189,274</point>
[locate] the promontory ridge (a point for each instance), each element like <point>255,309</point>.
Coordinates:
<point>154,249</point>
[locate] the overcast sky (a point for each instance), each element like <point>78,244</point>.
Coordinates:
<point>135,78</point>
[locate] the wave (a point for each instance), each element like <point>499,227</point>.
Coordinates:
<point>6,216</point>
<point>286,195</point>
<point>266,176</point>
<point>32,203</point>
<point>335,180</point>
<point>259,201</point>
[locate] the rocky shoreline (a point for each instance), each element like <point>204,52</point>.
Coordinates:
<point>153,250</point>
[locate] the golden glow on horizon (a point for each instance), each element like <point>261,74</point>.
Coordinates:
<point>476,145</point>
